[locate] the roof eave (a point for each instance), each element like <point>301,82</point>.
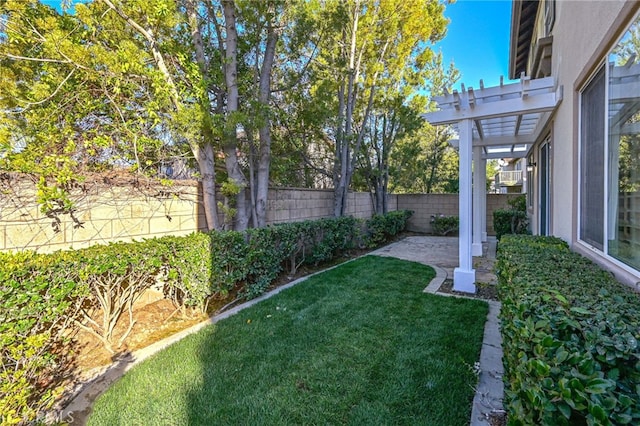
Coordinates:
<point>516,10</point>
<point>523,14</point>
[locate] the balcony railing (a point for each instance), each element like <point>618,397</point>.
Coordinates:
<point>509,178</point>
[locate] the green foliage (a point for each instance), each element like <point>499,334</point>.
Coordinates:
<point>38,301</point>
<point>424,162</point>
<point>518,203</point>
<point>514,220</point>
<point>78,94</point>
<point>570,337</point>
<point>381,227</point>
<point>443,225</point>
<point>187,266</point>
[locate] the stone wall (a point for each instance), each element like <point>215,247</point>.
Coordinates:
<point>295,204</point>
<point>125,209</point>
<point>109,210</point>
<point>425,205</point>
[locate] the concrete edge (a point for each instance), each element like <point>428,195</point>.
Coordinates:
<point>87,394</point>
<point>489,393</point>
<point>490,390</point>
<point>437,281</point>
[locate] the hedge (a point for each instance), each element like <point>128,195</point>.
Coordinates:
<point>570,337</point>
<point>44,297</point>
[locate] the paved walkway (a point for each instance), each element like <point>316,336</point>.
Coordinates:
<point>439,252</point>
<point>442,254</point>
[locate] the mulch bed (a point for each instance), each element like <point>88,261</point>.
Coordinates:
<point>484,291</point>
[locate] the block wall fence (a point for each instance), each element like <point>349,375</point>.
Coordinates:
<point>425,205</point>
<point>125,210</point>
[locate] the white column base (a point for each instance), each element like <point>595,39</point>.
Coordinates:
<point>464,281</point>
<point>476,249</point>
<point>484,237</point>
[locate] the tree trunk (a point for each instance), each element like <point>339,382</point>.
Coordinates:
<point>206,157</point>
<point>230,137</point>
<point>343,151</point>
<point>264,162</point>
<point>206,164</point>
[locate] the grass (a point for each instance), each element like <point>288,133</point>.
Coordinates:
<point>359,344</point>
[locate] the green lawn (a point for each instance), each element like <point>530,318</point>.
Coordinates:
<point>360,344</point>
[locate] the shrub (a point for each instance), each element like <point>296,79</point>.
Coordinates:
<point>264,260</point>
<point>38,301</point>
<point>443,225</point>
<point>381,227</point>
<point>187,263</point>
<point>514,220</point>
<point>332,236</point>
<point>510,222</point>
<point>570,337</point>
<point>116,275</point>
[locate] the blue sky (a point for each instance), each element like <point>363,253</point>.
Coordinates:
<point>477,40</point>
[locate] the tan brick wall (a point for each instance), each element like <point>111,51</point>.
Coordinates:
<point>106,212</point>
<point>295,204</point>
<point>123,213</point>
<point>425,205</point>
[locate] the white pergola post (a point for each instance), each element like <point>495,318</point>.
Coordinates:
<point>508,119</point>
<point>479,185</point>
<point>483,202</point>
<point>464,276</point>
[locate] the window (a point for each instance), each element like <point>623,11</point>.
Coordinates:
<point>549,15</point>
<point>610,153</point>
<point>592,162</point>
<point>623,200</point>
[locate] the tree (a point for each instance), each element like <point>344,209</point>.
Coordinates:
<point>111,89</point>
<point>369,47</point>
<point>145,79</point>
<point>391,121</point>
<point>424,162</point>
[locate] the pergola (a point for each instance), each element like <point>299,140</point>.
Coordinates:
<point>496,122</point>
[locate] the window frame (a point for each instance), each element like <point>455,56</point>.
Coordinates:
<point>602,65</point>
<point>601,68</point>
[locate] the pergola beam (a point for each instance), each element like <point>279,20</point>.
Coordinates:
<point>491,94</point>
<point>518,123</point>
<point>508,107</point>
<point>478,124</point>
<point>505,140</point>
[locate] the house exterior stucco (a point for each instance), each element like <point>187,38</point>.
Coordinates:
<point>582,35</point>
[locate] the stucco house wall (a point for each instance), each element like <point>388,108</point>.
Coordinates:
<point>583,33</point>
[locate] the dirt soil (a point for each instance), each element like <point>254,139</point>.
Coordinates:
<point>484,291</point>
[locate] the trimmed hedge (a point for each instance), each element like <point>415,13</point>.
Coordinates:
<point>37,303</point>
<point>44,297</point>
<point>570,337</point>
